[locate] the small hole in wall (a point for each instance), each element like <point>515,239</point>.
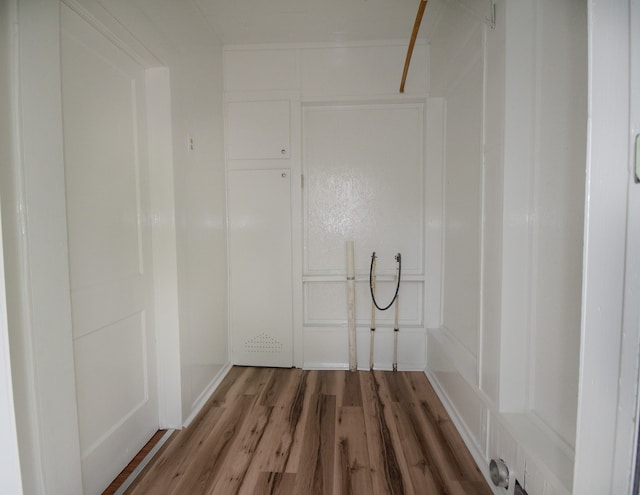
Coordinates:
<point>518,490</point>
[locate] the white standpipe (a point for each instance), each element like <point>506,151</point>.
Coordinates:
<point>395,336</point>
<point>372,285</point>
<point>395,322</point>
<point>351,307</point>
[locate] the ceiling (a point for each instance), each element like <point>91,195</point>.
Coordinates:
<point>309,21</point>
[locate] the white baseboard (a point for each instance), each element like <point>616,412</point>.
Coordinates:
<point>207,392</point>
<point>325,366</point>
<point>467,437</point>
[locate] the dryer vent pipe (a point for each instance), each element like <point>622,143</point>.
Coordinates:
<point>499,472</point>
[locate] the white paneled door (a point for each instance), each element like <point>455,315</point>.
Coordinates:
<point>260,267</point>
<point>109,249</point>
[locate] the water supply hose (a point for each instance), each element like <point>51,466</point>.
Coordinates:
<point>371,283</point>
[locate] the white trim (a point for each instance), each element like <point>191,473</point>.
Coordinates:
<point>10,472</point>
<point>628,414</point>
<point>604,246</point>
<point>328,366</point>
<point>267,95</point>
<point>311,99</point>
<point>464,361</point>
<point>163,245</point>
<point>50,399</point>
<point>320,45</point>
<point>21,327</point>
<point>207,393</point>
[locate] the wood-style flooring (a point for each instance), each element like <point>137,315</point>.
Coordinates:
<point>289,431</point>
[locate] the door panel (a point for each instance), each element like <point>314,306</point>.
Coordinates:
<point>109,246</point>
<point>257,130</point>
<point>260,267</point>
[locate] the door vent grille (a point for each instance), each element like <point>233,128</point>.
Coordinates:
<point>263,343</point>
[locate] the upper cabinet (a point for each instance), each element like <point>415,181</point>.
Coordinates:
<point>258,130</point>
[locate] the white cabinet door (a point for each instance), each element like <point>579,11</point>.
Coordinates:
<point>260,267</point>
<point>257,130</point>
<point>109,250</point>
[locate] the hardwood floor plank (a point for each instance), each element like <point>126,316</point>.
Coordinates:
<point>457,460</point>
<point>280,389</point>
<point>433,440</point>
<point>277,431</point>
<point>236,463</point>
<point>298,445</point>
<point>466,464</point>
<point>272,451</point>
<point>275,447</point>
<point>385,468</point>
<point>230,381</point>
<point>473,487</point>
<point>391,421</point>
<point>241,380</point>
<point>315,471</point>
<point>397,386</point>
<point>275,484</point>
<point>201,472</point>
<point>171,462</point>
<point>352,467</point>
<point>254,380</point>
<point>352,395</point>
<point>329,382</point>
<point>433,409</point>
<point>425,475</point>
<point>423,391</point>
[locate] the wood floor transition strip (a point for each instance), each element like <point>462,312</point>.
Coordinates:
<point>139,462</point>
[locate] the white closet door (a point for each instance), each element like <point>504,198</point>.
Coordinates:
<point>257,130</point>
<point>109,250</point>
<point>260,267</point>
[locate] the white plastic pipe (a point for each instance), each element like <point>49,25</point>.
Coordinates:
<point>351,307</point>
<point>373,312</point>
<point>395,338</point>
<point>395,329</point>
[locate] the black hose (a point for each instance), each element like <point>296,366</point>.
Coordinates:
<point>373,297</point>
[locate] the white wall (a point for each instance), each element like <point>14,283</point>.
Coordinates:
<point>463,176</point>
<point>201,223</point>
<point>505,357</point>
<point>360,146</point>
<point>34,227</point>
<point>477,386</point>
<point>175,36</point>
<point>558,195</point>
<point>196,102</point>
